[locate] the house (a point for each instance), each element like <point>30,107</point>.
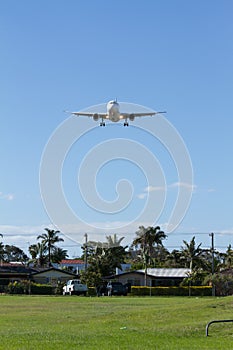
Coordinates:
<point>155,277</point>
<point>10,272</point>
<point>73,265</point>
<point>52,276</point>
<point>124,268</point>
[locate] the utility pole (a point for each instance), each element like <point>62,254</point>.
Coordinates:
<point>85,252</point>
<point>212,251</point>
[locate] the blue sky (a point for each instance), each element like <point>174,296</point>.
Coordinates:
<point>166,55</point>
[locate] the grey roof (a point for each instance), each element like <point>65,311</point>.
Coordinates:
<point>21,269</point>
<point>162,272</point>
<point>54,269</point>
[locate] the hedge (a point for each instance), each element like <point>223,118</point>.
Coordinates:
<point>91,291</point>
<point>25,287</point>
<point>176,291</point>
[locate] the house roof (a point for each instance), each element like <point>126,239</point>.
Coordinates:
<point>71,261</point>
<point>42,271</point>
<point>20,269</point>
<point>163,272</point>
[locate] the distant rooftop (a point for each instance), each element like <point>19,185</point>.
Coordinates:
<point>71,261</point>
<point>163,272</point>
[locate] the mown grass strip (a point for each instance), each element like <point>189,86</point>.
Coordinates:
<point>35,322</point>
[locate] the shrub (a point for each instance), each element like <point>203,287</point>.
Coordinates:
<point>18,287</point>
<point>91,291</point>
<point>26,287</point>
<point>42,289</point>
<point>223,283</point>
<point>168,291</point>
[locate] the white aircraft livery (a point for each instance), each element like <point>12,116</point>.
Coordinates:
<point>113,114</point>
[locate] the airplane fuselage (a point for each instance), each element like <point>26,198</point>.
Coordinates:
<point>113,111</point>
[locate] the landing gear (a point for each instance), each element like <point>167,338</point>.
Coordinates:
<point>126,124</point>
<point>102,123</point>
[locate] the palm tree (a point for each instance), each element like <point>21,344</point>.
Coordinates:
<point>49,239</point>
<point>147,239</point>
<point>103,262</point>
<point>175,259</point>
<point>113,241</point>
<point>228,257</point>
<point>2,252</point>
<point>39,254</point>
<point>191,253</point>
<point>58,254</point>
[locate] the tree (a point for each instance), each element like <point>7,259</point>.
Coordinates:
<point>228,257</point>
<point>175,259</point>
<point>113,241</point>
<point>49,239</point>
<point>103,261</point>
<point>39,254</point>
<point>13,253</point>
<point>1,251</point>
<point>160,256</point>
<point>222,281</point>
<point>147,239</point>
<point>191,253</point>
<point>58,254</point>
<point>205,260</point>
<point>106,260</point>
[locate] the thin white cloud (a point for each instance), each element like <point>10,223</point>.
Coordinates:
<point>154,188</point>
<point>185,185</point>
<point>8,196</point>
<point>141,195</point>
<point>149,189</point>
<point>11,230</point>
<point>225,232</point>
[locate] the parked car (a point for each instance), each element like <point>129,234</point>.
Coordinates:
<point>117,288</point>
<point>75,287</point>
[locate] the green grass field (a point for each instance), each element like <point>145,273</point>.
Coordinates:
<point>33,322</point>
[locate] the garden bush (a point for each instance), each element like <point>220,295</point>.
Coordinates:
<point>26,287</point>
<point>168,291</point>
<point>91,291</point>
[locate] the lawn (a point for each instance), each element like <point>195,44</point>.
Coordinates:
<point>34,323</point>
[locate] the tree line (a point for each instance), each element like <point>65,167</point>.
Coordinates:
<point>147,250</point>
<point>43,253</point>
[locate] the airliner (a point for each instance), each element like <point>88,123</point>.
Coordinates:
<point>114,115</point>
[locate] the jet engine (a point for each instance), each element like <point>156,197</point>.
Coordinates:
<point>95,116</point>
<point>131,117</point>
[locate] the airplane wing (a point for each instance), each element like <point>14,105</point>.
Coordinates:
<point>131,115</point>
<point>92,115</point>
